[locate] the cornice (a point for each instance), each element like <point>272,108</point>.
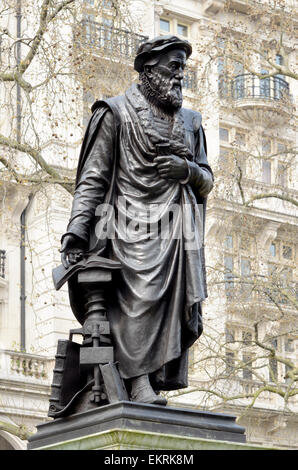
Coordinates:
<point>219,206</point>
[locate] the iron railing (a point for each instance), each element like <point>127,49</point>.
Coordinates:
<point>250,86</point>
<point>110,39</point>
<point>2,263</point>
<point>120,42</point>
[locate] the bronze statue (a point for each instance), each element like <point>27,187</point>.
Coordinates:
<point>144,154</point>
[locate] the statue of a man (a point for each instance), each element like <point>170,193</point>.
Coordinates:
<point>145,154</point>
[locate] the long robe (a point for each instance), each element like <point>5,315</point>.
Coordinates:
<point>154,306</point>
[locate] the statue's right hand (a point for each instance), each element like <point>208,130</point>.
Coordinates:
<point>72,250</point>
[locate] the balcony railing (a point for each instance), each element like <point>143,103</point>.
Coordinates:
<point>2,263</point>
<point>249,86</point>
<point>25,366</point>
<point>114,42</point>
<point>109,39</point>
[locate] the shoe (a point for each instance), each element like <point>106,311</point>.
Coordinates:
<point>142,392</point>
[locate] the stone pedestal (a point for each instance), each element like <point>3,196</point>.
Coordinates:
<point>124,439</point>
<point>130,425</point>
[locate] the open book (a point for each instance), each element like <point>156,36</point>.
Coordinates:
<point>62,274</point>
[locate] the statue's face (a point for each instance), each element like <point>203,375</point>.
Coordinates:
<point>166,78</point>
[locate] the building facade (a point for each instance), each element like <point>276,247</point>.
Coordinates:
<point>246,361</point>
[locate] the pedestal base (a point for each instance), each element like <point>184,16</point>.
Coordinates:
<point>122,439</point>
<point>148,426</point>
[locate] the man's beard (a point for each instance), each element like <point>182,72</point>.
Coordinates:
<point>162,91</point>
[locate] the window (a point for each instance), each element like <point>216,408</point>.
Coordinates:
<point>106,33</point>
<point>287,369</point>
<point>222,84</point>
<point>239,91</point>
<point>272,249</point>
<point>245,271</point>
<point>281,174</point>
<point>285,347</point>
<point>281,148</point>
<point>240,139</point>
<point>238,69</point>
<point>286,277</point>
<point>280,276</point>
<point>278,79</point>
<point>228,274</point>
<point>224,134</point>
<point>90,29</point>
<point>264,85</point>
<point>272,291</point>
<point>164,25</point>
<point>273,366</point>
<point>182,30</point>
<point>289,345</point>
<point>266,171</point>
<point>230,362</point>
<point>247,370</point>
<point>172,25</point>
<point>190,79</point>
<point>287,252</point>
<point>245,267</point>
<point>286,284</point>
<point>230,335</point>
<point>266,147</point>
<point>228,243</point>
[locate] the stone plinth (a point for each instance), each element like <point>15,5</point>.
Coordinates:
<point>124,439</point>
<point>148,426</point>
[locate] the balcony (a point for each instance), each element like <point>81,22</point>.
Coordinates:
<point>212,7</point>
<point>114,42</point>
<point>264,101</point>
<point>25,367</point>
<point>109,40</point>
<point>25,381</point>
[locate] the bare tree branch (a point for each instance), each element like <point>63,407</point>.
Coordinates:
<point>283,197</point>
<point>36,156</point>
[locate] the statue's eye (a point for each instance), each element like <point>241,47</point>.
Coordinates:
<point>176,66</point>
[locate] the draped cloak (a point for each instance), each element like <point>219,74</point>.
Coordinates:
<point>154,305</point>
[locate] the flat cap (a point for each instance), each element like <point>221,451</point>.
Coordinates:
<point>154,46</point>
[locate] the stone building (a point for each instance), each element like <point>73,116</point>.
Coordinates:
<point>246,362</point>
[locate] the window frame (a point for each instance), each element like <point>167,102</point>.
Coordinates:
<point>174,22</point>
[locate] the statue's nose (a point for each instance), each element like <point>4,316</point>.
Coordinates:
<point>180,73</point>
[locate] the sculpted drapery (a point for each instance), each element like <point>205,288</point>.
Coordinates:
<point>154,307</point>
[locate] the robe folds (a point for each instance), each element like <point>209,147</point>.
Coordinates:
<point>154,306</point>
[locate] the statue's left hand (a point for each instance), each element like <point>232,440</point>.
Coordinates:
<point>171,167</point>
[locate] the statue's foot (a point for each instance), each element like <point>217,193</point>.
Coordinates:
<point>141,391</point>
